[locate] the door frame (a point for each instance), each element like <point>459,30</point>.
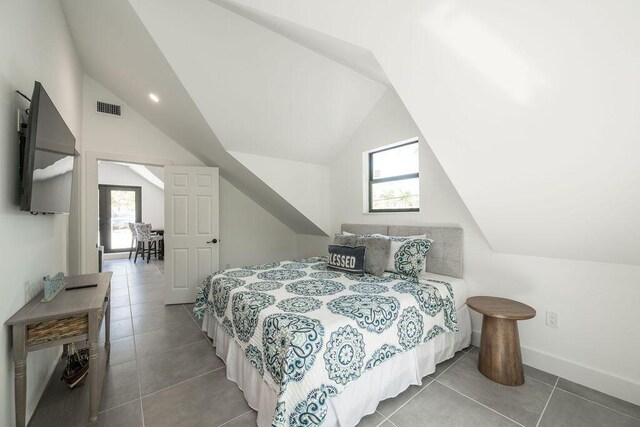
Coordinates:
<point>104,205</point>
<point>89,203</point>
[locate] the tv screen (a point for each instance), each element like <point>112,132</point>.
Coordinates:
<point>48,158</point>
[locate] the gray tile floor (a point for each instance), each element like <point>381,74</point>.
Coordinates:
<point>164,372</point>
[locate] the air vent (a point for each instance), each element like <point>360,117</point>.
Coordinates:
<point>106,108</point>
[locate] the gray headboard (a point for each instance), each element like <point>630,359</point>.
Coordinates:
<point>445,255</point>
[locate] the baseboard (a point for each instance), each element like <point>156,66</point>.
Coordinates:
<point>116,255</point>
<point>587,376</point>
<point>52,369</point>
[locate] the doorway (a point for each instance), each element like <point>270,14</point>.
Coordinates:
<point>119,205</point>
<point>128,193</point>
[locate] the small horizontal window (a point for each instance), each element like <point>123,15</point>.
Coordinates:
<point>394,179</point>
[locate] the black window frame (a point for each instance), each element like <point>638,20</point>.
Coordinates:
<point>104,213</point>
<point>373,180</point>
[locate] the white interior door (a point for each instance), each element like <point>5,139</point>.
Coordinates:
<point>191,218</point>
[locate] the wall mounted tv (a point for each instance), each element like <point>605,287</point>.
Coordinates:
<point>47,160</point>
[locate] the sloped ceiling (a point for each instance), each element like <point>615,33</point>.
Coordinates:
<point>342,52</point>
<point>531,108</point>
<point>118,52</point>
<point>261,92</point>
<point>227,83</point>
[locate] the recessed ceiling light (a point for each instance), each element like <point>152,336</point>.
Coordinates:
<point>154,97</point>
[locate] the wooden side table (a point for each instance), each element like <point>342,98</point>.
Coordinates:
<point>72,316</point>
<point>500,358</point>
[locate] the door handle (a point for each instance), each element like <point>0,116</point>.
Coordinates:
<point>213,241</point>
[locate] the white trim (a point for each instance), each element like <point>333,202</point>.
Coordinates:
<point>116,255</point>
<point>384,147</point>
<point>605,382</point>
<point>90,228</point>
<point>392,213</point>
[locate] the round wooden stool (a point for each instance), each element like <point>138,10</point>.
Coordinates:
<point>500,359</point>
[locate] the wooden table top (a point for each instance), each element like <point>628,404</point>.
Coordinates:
<point>66,303</point>
<point>501,308</point>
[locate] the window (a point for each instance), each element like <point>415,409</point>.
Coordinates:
<point>119,205</point>
<point>394,179</point>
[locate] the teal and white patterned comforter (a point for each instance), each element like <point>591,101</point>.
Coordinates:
<point>310,331</point>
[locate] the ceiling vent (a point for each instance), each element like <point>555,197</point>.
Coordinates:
<point>106,108</point>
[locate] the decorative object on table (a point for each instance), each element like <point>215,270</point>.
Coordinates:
<point>77,366</point>
<point>500,358</point>
<point>52,286</point>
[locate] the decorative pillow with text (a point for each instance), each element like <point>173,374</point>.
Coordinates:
<point>349,259</point>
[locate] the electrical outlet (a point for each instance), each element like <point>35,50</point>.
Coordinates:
<point>552,319</point>
<point>228,266</point>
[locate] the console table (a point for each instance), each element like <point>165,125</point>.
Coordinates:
<point>73,315</point>
<point>500,358</point>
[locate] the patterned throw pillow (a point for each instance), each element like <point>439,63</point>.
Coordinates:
<point>408,255</point>
<point>378,248</point>
<point>349,259</point>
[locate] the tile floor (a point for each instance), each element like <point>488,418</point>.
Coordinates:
<point>164,372</point>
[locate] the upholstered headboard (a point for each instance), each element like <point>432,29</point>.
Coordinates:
<point>445,255</point>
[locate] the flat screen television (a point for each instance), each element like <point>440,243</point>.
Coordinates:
<point>48,156</point>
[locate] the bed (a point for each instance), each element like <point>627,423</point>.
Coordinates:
<point>311,346</point>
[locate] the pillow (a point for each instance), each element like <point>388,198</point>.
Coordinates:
<point>378,248</point>
<point>345,240</point>
<point>347,258</point>
<point>396,242</point>
<point>408,255</point>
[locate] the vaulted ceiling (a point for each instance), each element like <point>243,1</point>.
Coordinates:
<point>228,83</point>
<point>238,107</point>
<point>531,108</point>
<point>532,114</point>
<point>259,91</point>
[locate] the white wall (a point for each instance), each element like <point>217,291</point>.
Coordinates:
<point>152,197</point>
<point>248,233</point>
<point>129,138</point>
<point>309,245</point>
<point>534,129</point>
<point>595,344</point>
<point>34,45</point>
<point>304,185</point>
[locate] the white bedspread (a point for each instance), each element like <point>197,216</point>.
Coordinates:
<point>460,287</point>
<point>310,332</point>
<point>360,397</point>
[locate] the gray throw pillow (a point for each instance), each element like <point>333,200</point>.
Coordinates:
<point>342,240</point>
<point>377,253</point>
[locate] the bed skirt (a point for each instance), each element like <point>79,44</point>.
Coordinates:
<point>360,397</point>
